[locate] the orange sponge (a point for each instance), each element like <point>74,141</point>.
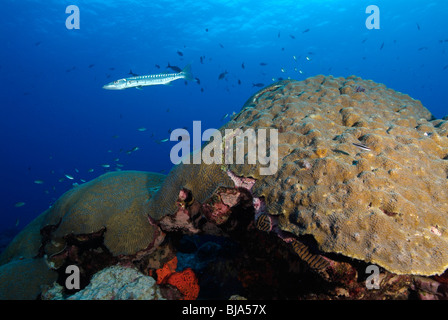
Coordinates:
<point>167,269</point>
<point>186,282</point>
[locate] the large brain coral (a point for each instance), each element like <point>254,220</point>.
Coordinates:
<point>362,168</point>
<point>115,202</point>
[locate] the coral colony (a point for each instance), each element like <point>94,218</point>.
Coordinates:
<point>355,207</point>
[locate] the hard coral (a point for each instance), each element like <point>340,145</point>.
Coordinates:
<point>116,201</point>
<point>361,168</point>
<point>385,203</point>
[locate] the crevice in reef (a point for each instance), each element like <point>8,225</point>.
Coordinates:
<point>86,251</point>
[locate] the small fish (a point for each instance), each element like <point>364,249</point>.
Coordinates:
<point>282,69</point>
<point>38,43</point>
<point>422,48</point>
<point>180,53</point>
<point>38,182</point>
<point>83,181</point>
<point>174,68</point>
<point>382,46</point>
<point>17,222</point>
<point>116,159</point>
<point>362,146</point>
<point>242,65</point>
<point>221,46</point>
<point>340,151</point>
<point>295,58</point>
<point>91,66</point>
<point>418,26</point>
<point>19,204</point>
<point>306,30</point>
<point>307,58</point>
<point>222,75</point>
<point>206,30</point>
<point>69,177</point>
<point>225,116</point>
<point>258,85</point>
<point>445,67</point>
<point>168,110</point>
<point>239,81</point>
<point>164,140</point>
<point>132,73</point>
<point>157,66</point>
<point>76,170</point>
<point>141,129</point>
<point>198,81</point>
<point>90,170</point>
<point>105,165</point>
<point>263,64</point>
<point>292,37</point>
<point>111,68</point>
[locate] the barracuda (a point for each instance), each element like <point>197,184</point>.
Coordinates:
<point>149,80</point>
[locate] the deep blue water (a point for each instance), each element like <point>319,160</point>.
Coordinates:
<point>56,119</point>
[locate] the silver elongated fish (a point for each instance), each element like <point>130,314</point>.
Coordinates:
<point>149,80</point>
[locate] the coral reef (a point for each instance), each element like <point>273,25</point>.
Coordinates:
<point>362,180</point>
<point>116,202</point>
<point>386,204</point>
<point>94,226</point>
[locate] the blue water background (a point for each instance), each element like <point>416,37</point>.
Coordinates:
<point>56,119</point>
